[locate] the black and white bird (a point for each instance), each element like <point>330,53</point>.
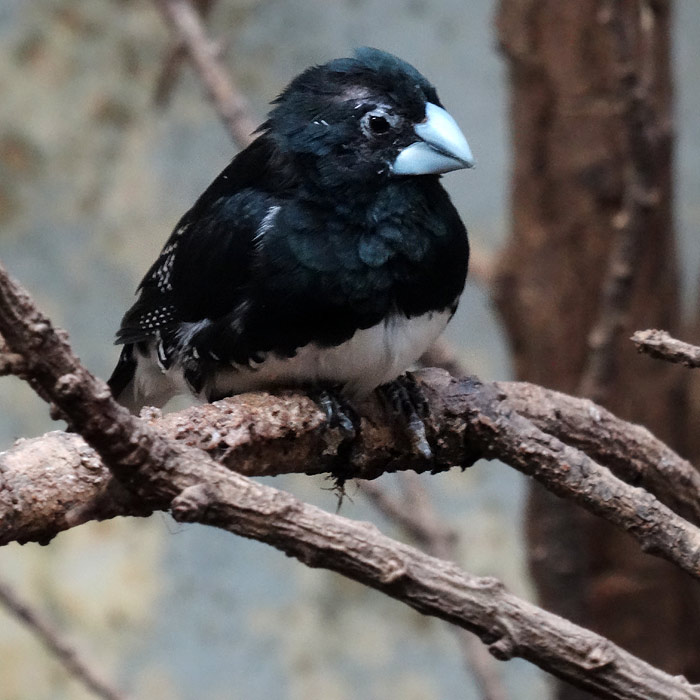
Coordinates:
<point>326,254</point>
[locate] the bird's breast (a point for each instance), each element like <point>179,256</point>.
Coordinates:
<point>371,357</point>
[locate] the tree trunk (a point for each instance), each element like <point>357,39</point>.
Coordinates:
<point>572,155</point>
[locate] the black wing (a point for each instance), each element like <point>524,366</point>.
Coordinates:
<point>205,264</point>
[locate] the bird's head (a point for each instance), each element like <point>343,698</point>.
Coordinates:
<point>365,119</point>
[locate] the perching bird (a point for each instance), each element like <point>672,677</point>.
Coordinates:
<point>325,254</point>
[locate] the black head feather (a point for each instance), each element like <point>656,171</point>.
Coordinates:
<point>345,121</point>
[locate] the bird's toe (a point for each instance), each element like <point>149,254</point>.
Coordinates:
<point>339,413</point>
<point>407,403</point>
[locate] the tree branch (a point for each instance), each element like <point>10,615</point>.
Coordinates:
<point>69,657</point>
<point>175,57</point>
<point>412,514</point>
<point>415,514</point>
<point>170,475</point>
<point>431,586</point>
<point>232,107</point>
<point>661,345</point>
<point>630,451</point>
<point>263,434</point>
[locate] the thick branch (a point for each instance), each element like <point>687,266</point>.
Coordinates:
<point>431,586</point>
<point>170,475</point>
<point>262,434</point>
<point>511,626</point>
<point>661,345</point>
<point>630,451</point>
<point>415,514</point>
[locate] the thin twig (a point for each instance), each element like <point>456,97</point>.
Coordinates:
<point>640,196</point>
<point>174,58</point>
<point>227,99</point>
<point>661,345</point>
<point>427,531</point>
<point>65,653</point>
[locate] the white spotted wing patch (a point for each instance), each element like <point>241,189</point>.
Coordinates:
<point>157,318</point>
<point>164,272</point>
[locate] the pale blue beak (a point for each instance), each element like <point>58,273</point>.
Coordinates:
<point>442,146</point>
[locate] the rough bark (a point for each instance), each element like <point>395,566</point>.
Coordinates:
<point>573,149</point>
<point>169,474</point>
<point>661,345</point>
<point>629,450</point>
<point>56,481</point>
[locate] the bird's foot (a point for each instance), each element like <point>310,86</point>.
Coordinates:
<point>343,417</point>
<point>407,403</point>
<point>339,413</point>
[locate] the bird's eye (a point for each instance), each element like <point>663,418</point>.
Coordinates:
<point>378,125</point>
<point>378,122</point>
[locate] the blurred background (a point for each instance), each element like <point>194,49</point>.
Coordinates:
<point>93,176</point>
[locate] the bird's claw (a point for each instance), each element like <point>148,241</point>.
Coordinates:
<point>406,401</point>
<point>339,413</point>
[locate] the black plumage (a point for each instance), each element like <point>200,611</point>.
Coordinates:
<point>325,252</point>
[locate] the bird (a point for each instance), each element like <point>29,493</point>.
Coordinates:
<point>325,255</point>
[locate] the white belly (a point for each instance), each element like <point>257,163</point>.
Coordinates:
<point>371,357</point>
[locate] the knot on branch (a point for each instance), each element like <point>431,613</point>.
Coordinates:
<point>38,331</point>
<point>599,657</point>
<point>11,363</point>
<point>394,570</point>
<point>504,648</point>
<point>67,385</point>
<point>490,583</point>
<point>191,503</point>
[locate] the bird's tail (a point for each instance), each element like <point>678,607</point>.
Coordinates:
<point>121,383</point>
<point>138,380</point>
